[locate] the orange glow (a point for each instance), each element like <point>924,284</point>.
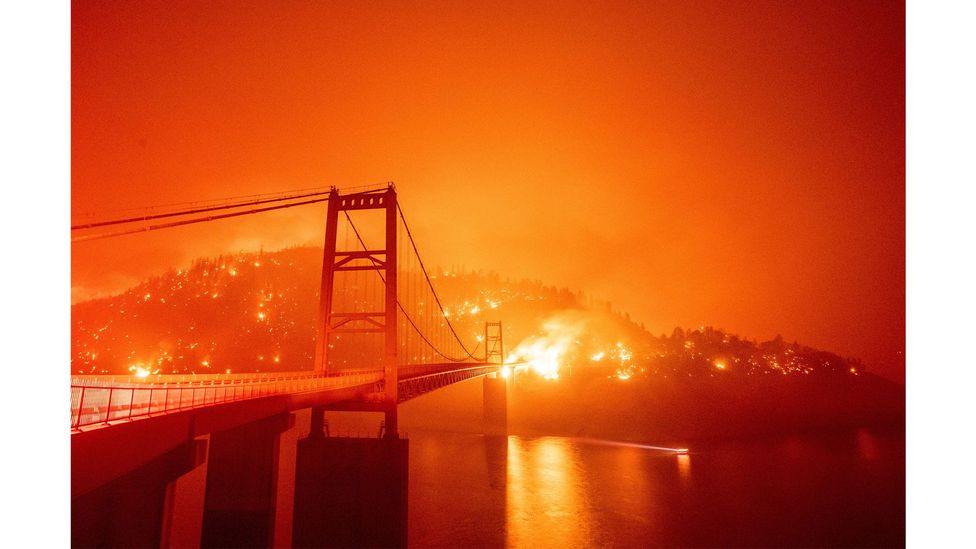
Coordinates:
<point>720,364</point>
<point>546,471</point>
<point>699,139</point>
<point>684,465</point>
<point>542,356</point>
<point>545,352</point>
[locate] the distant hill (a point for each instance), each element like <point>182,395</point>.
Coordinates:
<point>257,311</point>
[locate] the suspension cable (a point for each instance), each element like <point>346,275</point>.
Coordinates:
<point>429,283</point>
<point>195,220</point>
<point>257,200</point>
<point>407,315</point>
<point>150,217</point>
<point>130,212</point>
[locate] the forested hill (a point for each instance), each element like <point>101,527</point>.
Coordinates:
<point>257,311</point>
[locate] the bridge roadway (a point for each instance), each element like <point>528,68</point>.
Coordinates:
<point>121,422</point>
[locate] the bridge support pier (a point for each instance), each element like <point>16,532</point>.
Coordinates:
<point>317,428</point>
<point>182,519</point>
<point>495,391</point>
<point>243,482</point>
<point>391,426</point>
<point>129,511</point>
<point>351,492</point>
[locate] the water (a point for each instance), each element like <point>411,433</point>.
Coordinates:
<point>472,491</point>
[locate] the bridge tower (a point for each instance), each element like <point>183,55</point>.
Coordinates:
<point>494,345</point>
<point>495,386</point>
<point>332,322</point>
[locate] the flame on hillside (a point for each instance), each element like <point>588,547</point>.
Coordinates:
<point>545,353</point>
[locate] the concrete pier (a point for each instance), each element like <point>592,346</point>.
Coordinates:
<point>495,406</point>
<point>129,511</point>
<point>242,484</point>
<point>351,492</point>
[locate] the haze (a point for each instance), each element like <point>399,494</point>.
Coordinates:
<point>735,164</point>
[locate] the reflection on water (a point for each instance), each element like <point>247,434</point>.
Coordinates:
<point>684,466</point>
<point>469,490</point>
<point>545,492</point>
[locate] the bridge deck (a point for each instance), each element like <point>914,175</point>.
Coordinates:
<point>98,401</point>
<point>147,418</point>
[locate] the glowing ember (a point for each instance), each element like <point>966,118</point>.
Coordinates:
<point>623,354</point>
<point>139,371</point>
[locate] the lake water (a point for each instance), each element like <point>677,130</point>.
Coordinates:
<point>468,490</point>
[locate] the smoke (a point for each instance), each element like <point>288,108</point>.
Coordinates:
<point>557,341</point>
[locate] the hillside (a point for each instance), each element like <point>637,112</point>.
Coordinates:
<point>257,311</point>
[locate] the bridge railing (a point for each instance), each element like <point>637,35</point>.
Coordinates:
<point>107,402</point>
<point>412,387</point>
<point>406,371</point>
<point>160,379</point>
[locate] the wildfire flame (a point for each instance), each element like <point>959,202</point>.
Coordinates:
<point>139,371</point>
<point>544,354</point>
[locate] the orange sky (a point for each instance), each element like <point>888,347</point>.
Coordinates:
<point>737,164</point>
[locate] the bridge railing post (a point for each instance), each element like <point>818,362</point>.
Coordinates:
<point>108,406</point>
<point>81,404</point>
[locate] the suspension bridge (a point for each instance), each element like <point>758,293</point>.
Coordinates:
<point>383,337</point>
